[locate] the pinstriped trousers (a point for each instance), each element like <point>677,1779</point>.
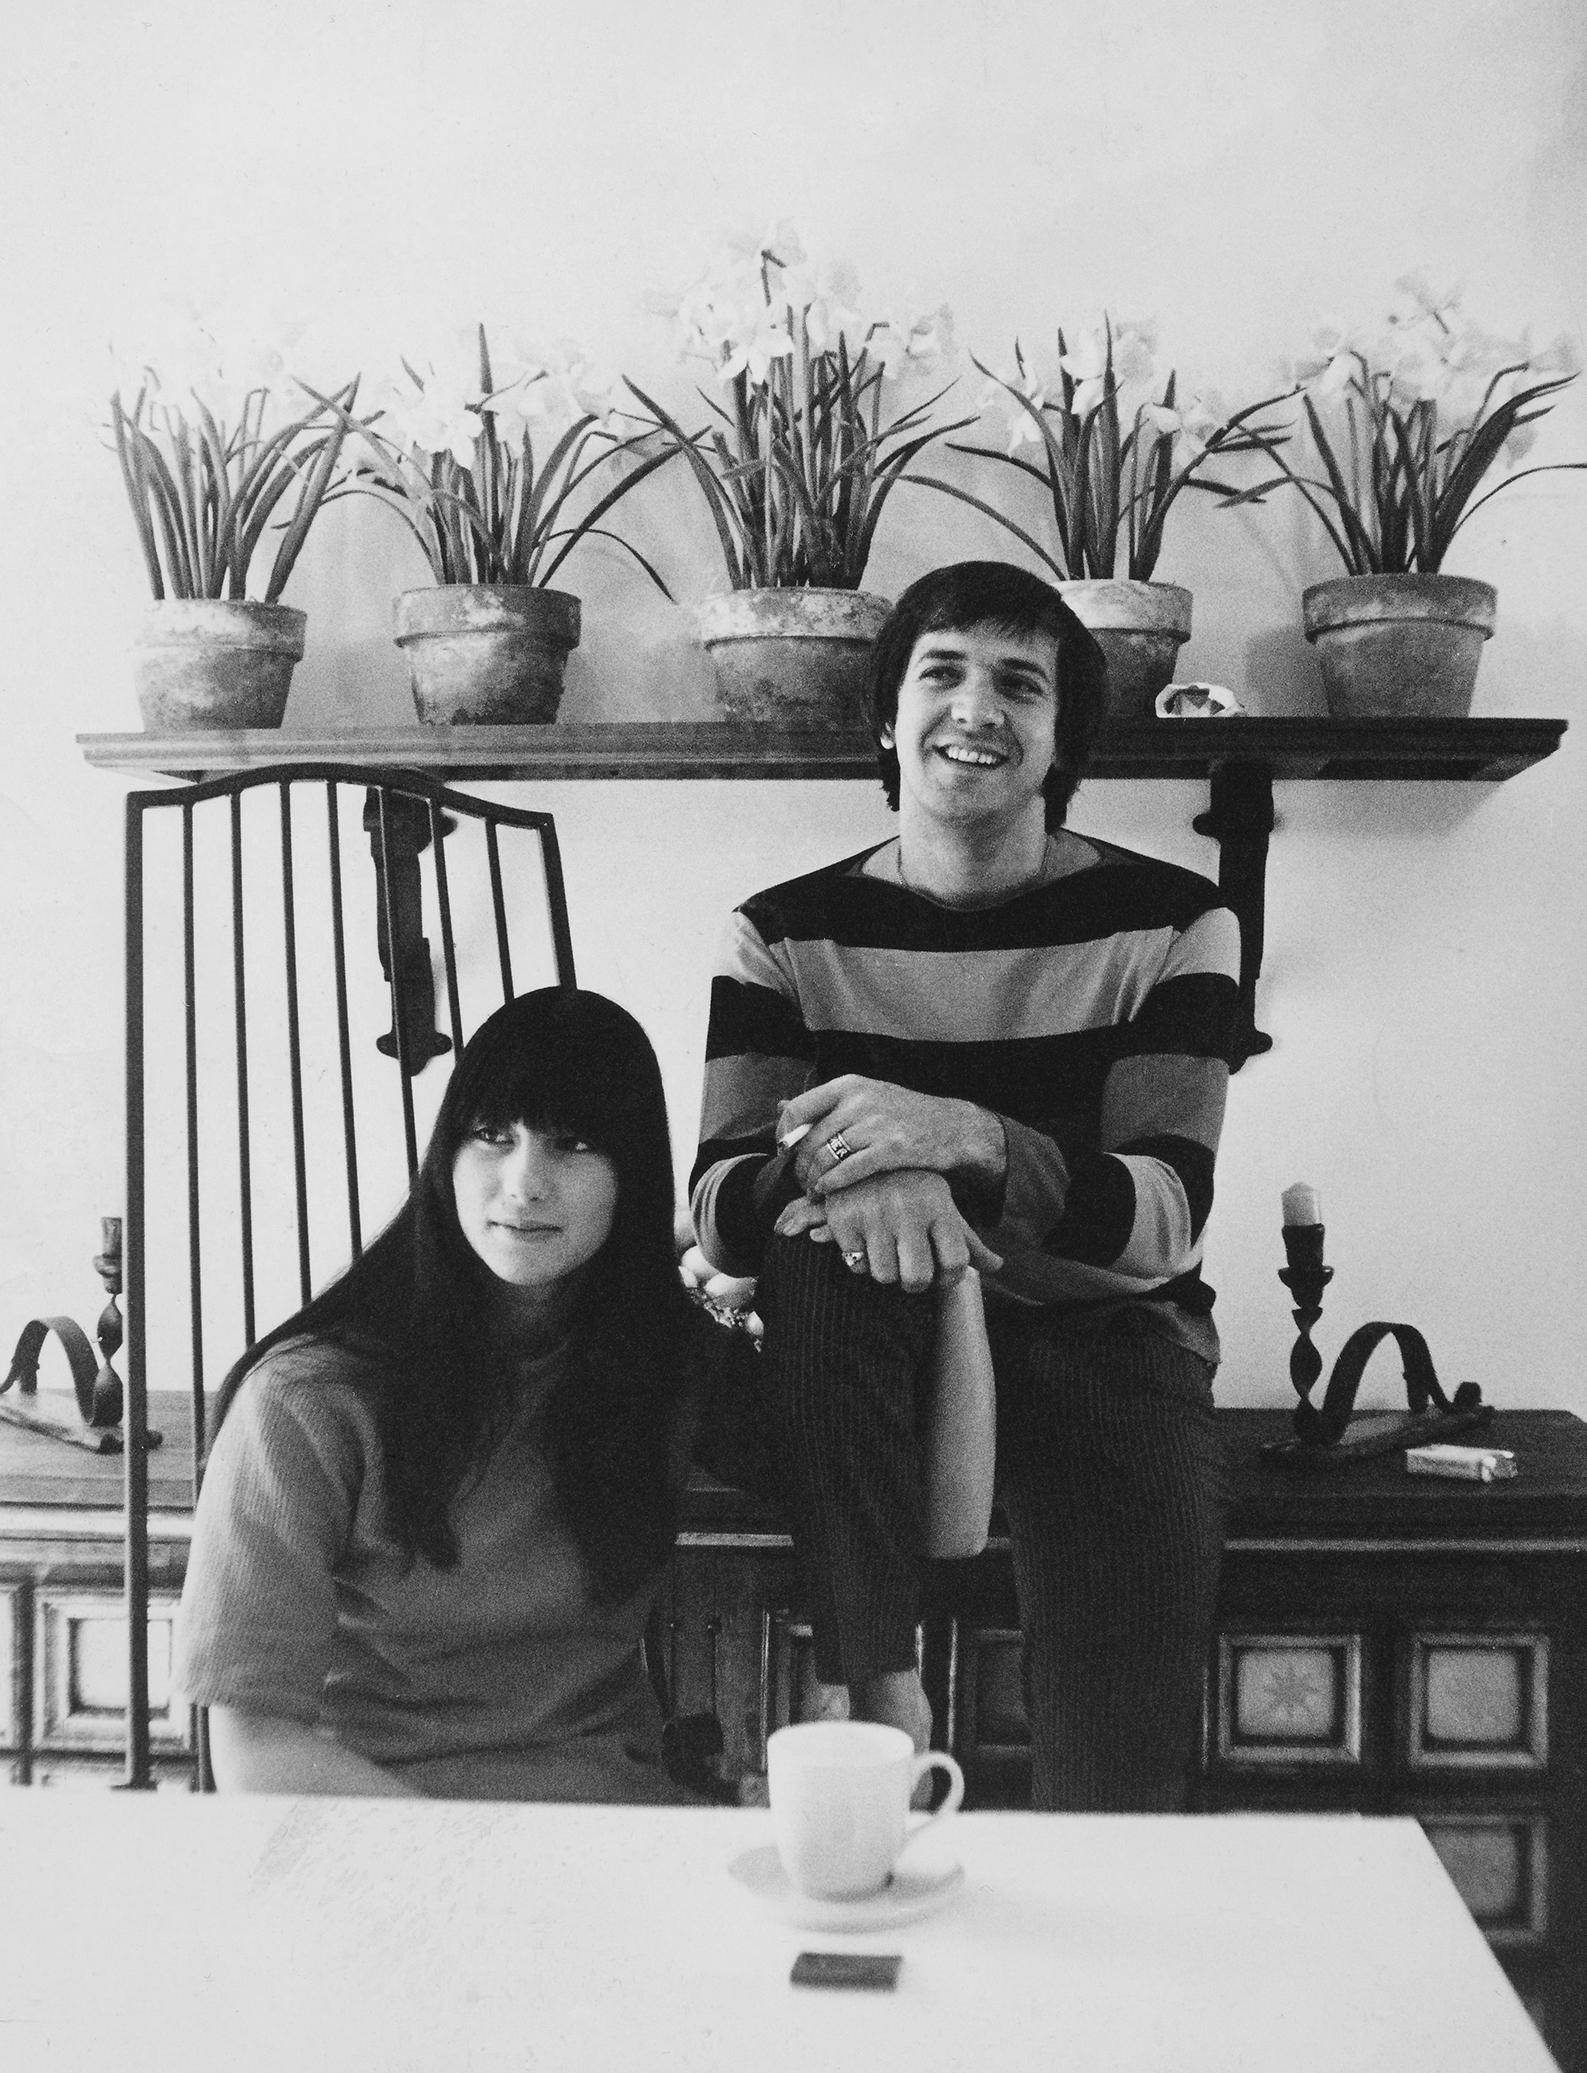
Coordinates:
<point>1111,1475</point>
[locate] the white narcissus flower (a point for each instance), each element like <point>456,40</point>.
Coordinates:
<point>571,385</point>
<point>1332,365</point>
<point>830,301</point>
<point>780,246</point>
<point>1344,371</point>
<point>254,343</point>
<point>745,311</point>
<point>1134,345</point>
<point>754,353</point>
<point>1185,444</point>
<point>910,344</point>
<point>1419,300</point>
<point>1086,364</point>
<point>1000,394</point>
<point>438,410</point>
<point>1134,351</point>
<point>520,408</point>
<point>1190,429</point>
<point>1420,372</point>
<point>712,315</point>
<point>730,323</point>
<point>224,364</point>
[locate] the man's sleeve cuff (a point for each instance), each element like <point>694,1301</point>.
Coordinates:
<point>1035,1188</point>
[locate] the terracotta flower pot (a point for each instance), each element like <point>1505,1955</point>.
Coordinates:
<point>216,662</point>
<point>491,654</point>
<point>1399,646</point>
<point>1140,628</point>
<point>792,658</point>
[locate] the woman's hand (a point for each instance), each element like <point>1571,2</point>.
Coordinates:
<point>856,1128</point>
<point>265,1752</point>
<point>899,1227</point>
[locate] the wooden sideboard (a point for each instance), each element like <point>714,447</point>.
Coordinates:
<point>1385,1644</point>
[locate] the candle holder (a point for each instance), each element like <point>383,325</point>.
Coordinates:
<point>1306,1277</point>
<point>95,1384</point>
<point>1321,1439</point>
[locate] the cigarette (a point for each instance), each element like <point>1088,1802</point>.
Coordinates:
<point>787,1143</point>
<point>1469,1464</point>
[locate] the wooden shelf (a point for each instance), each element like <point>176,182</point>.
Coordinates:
<point>1240,758</point>
<point>1481,750</point>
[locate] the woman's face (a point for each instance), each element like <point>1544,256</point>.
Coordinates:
<point>535,1205</point>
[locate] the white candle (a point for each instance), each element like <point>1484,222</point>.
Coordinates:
<point>1302,1205</point>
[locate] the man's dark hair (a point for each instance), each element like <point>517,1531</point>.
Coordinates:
<point>967,594</point>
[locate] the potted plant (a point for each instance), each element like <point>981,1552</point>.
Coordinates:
<point>209,470</point>
<point>796,470</point>
<point>1111,461</point>
<point>1404,430</point>
<point>454,455</point>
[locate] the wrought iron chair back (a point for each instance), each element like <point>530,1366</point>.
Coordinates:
<point>272,1119</point>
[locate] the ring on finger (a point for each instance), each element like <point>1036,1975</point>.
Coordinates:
<point>854,1261</point>
<point>839,1147</point>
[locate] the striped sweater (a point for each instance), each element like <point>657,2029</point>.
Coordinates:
<point>1094,1015</point>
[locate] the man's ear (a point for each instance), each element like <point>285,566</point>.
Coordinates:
<point>885,734</point>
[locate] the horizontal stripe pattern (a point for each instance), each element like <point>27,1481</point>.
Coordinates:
<point>1095,1015</point>
<point>1123,891</point>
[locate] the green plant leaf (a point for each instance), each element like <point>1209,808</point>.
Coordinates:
<point>1355,543</point>
<point>137,495</point>
<point>165,501</point>
<point>588,523</point>
<point>1410,507</point>
<point>1007,460</point>
<point>596,532</point>
<point>717,501</point>
<point>213,463</point>
<point>310,500</point>
<point>1009,525</point>
<point>551,489</point>
<point>1544,468</point>
<point>1482,449</point>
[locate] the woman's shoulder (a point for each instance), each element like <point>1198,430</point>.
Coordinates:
<point>314,1387</point>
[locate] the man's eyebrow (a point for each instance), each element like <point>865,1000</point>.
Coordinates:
<point>948,648</point>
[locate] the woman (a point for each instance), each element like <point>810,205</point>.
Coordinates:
<point>440,1497</point>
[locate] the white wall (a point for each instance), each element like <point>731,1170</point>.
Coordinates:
<point>1239,171</point>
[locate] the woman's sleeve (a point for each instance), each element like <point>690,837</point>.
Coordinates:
<point>258,1614</point>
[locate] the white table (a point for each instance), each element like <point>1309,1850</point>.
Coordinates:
<point>380,1935</point>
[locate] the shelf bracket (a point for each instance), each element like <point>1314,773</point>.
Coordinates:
<point>396,840</point>
<point>1239,818</point>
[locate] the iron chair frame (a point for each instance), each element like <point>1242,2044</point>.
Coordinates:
<point>384,785</point>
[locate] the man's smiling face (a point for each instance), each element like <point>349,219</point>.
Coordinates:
<point>976,719</point>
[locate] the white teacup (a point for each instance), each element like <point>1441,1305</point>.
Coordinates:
<point>840,1792</point>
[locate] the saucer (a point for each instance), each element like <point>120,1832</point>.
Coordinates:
<point>912,1891</point>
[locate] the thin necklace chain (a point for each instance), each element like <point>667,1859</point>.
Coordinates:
<point>1043,875</point>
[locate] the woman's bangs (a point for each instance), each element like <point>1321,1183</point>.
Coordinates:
<point>560,1101</point>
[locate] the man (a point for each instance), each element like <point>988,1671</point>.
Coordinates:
<point>1010,1044</point>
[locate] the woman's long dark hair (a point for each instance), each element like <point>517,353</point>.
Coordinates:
<point>559,1059</point>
